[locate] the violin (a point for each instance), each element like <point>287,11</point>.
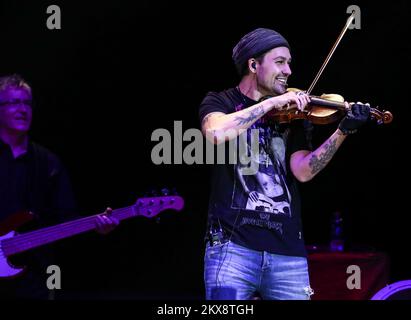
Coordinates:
<point>323,109</point>
<point>326,108</point>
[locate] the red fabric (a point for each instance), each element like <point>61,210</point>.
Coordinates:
<point>328,274</point>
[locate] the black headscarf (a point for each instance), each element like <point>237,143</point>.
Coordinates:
<point>256,43</point>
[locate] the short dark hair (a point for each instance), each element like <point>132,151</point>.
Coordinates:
<point>13,81</point>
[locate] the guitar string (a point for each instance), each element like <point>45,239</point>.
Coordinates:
<point>118,213</point>
<point>48,232</point>
<point>38,235</point>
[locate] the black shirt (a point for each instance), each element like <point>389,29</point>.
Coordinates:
<point>35,181</point>
<point>260,211</point>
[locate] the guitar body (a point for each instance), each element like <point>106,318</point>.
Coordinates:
<point>7,270</point>
<point>15,221</point>
<point>7,227</point>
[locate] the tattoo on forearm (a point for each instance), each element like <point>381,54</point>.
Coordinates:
<point>250,116</point>
<point>205,119</point>
<point>317,163</point>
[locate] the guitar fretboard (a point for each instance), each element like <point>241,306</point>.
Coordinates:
<point>147,207</point>
<point>47,235</point>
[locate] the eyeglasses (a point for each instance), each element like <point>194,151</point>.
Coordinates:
<point>16,103</point>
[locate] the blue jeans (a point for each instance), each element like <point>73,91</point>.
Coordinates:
<point>233,272</point>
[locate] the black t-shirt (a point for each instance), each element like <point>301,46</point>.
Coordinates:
<point>35,181</point>
<point>259,209</point>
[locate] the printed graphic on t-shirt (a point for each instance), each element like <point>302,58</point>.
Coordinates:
<point>266,191</point>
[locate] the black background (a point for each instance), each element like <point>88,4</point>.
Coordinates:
<point>118,70</point>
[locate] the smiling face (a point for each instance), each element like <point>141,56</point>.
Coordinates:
<point>273,71</point>
<point>15,110</point>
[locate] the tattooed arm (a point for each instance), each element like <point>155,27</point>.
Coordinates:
<point>219,127</point>
<point>305,164</point>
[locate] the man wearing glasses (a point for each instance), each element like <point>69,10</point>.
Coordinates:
<point>31,179</point>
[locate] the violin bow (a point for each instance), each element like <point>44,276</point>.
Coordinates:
<point>348,23</point>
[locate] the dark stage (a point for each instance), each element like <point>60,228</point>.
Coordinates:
<point>118,70</point>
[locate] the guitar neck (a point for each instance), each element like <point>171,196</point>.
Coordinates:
<point>51,234</point>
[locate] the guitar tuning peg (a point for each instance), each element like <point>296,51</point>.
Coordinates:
<point>158,220</point>
<point>174,192</point>
<point>165,192</point>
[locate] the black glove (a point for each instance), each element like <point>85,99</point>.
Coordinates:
<point>355,118</point>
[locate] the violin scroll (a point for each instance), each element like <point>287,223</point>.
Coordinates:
<point>382,117</point>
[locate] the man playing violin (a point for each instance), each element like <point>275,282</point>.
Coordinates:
<point>255,239</point>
